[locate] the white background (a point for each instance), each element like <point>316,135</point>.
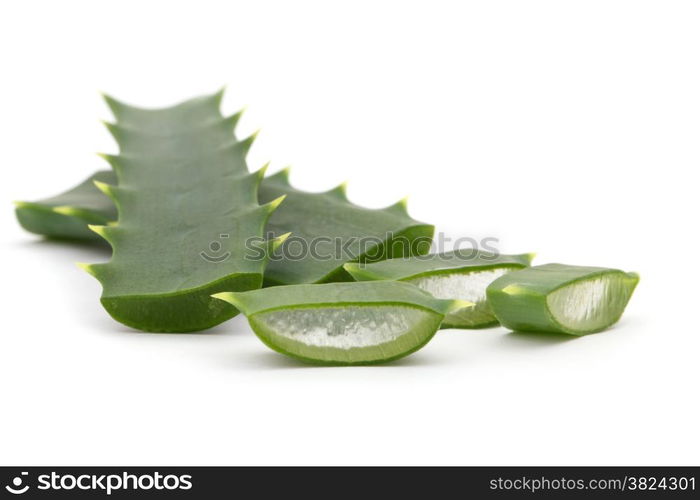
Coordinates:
<point>566,128</point>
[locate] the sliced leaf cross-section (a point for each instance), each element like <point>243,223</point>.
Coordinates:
<point>461,274</point>
<point>343,323</point>
<point>559,298</point>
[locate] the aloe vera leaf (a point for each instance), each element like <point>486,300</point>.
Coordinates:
<point>67,215</point>
<point>173,119</point>
<point>329,222</point>
<point>559,298</point>
<point>307,216</point>
<point>460,274</point>
<point>343,323</point>
<point>183,190</point>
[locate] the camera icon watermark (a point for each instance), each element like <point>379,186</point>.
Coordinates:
<point>16,488</point>
<point>215,253</point>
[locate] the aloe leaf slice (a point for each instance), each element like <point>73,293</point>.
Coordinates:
<point>334,231</point>
<point>559,298</point>
<point>460,274</point>
<point>343,323</point>
<point>67,215</point>
<point>186,205</point>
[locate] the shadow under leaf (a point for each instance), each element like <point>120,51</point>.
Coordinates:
<point>537,338</point>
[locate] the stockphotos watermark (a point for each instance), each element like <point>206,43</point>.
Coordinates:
<point>347,249</point>
<point>100,483</point>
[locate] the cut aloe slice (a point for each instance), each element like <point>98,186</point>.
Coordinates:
<point>67,215</point>
<point>461,275</point>
<point>563,299</point>
<point>343,323</point>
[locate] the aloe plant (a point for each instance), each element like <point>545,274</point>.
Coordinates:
<point>461,274</point>
<point>337,231</point>
<point>183,190</point>
<point>327,220</point>
<point>343,323</point>
<point>558,298</point>
<point>67,215</point>
<point>180,210</point>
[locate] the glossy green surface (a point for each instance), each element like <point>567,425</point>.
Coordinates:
<point>186,206</point>
<point>325,220</point>
<point>343,323</point>
<point>462,274</point>
<point>66,216</point>
<point>334,232</point>
<point>559,298</point>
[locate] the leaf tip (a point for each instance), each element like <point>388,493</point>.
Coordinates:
<point>352,267</point>
<point>65,210</point>
<point>229,297</point>
<point>248,141</point>
<point>231,122</point>
<point>219,95</point>
<point>285,173</point>
<point>272,206</point>
<point>264,168</point>
<point>107,157</point>
<point>112,128</point>
<point>281,176</point>
<point>236,117</point>
<point>86,267</point>
<point>400,207</point>
<point>112,160</point>
<point>340,191</point>
<point>111,102</point>
<point>260,173</point>
<point>107,189</point>
<point>277,242</point>
<point>457,304</point>
<point>99,229</point>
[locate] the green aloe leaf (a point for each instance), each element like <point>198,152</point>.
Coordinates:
<point>329,231</point>
<point>343,323</point>
<point>461,274</point>
<point>328,221</point>
<point>186,207</point>
<point>67,215</point>
<point>563,299</point>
